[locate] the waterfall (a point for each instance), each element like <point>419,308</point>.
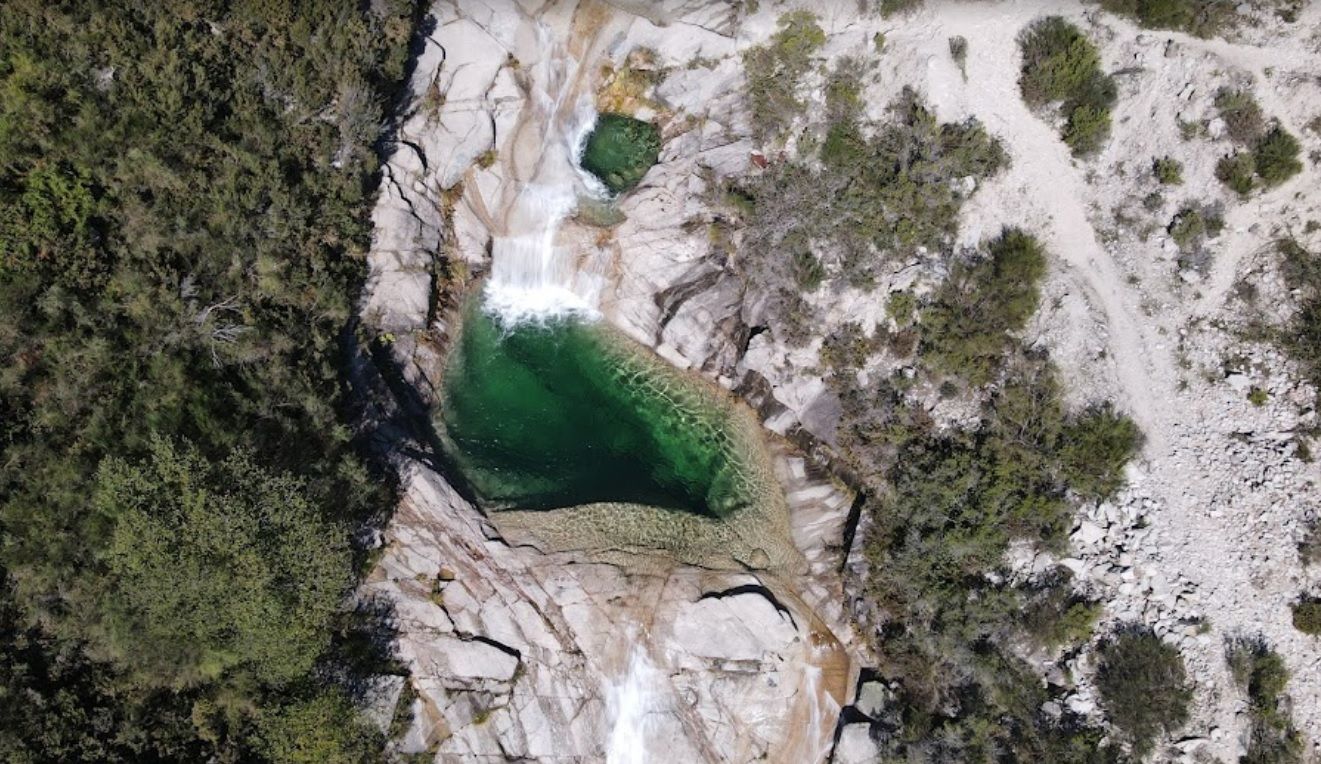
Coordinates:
<point>631,705</point>
<point>532,277</point>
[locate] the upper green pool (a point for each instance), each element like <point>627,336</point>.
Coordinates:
<point>620,150</point>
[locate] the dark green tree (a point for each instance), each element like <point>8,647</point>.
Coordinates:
<point>216,567</point>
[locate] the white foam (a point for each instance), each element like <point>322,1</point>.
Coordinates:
<point>631,705</point>
<point>533,279</point>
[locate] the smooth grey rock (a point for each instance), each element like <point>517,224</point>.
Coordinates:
<point>856,746</point>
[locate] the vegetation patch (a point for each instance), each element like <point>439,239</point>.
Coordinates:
<point>1300,336</point>
<point>1190,228</point>
<point>1260,673</point>
<point>1143,686</point>
<point>1268,155</point>
<point>1203,18</point>
<point>1168,171</point>
<point>986,299</point>
<point>945,506</point>
<point>1061,66</point>
<point>774,72</point>
<point>958,50</point>
<point>880,192</point>
<point>1244,122</point>
<point>185,198</point>
<point>1307,616</point>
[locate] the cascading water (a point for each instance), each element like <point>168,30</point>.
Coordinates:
<point>532,277</point>
<point>631,705</point>
<point>550,415</point>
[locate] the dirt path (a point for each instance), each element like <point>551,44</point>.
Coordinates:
<point>1043,168</point>
<point>1214,526</point>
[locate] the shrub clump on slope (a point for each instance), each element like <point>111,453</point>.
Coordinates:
<point>1203,18</point>
<point>879,192</point>
<point>775,70</point>
<point>1260,673</point>
<point>1060,65</point>
<point>1268,154</point>
<point>1301,335</point>
<point>1143,685</point>
<point>944,506</point>
<point>985,300</point>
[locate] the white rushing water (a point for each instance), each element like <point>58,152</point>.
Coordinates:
<point>631,707</point>
<point>532,277</point>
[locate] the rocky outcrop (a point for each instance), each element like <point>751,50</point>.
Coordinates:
<point>516,653</point>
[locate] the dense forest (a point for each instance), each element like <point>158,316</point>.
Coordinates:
<point>185,191</point>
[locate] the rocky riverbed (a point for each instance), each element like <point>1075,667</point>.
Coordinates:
<point>516,653</point>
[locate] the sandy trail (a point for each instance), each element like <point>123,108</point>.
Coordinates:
<point>1207,520</point>
<point>1043,168</point>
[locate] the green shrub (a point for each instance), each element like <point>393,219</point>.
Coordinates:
<point>251,590</point>
<point>1238,171</point>
<point>1056,616</point>
<point>847,348</point>
<point>1260,672</point>
<point>49,223</point>
<point>1143,686</point>
<point>1300,337</point>
<point>1203,18</point>
<point>1309,549</point>
<point>775,70</point>
<point>1168,171</point>
<point>1258,396</point>
<point>1272,161</point>
<point>947,503</point>
<point>891,7</point>
<point>322,730</point>
<point>1061,65</point>
<point>1087,129</point>
<point>1058,61</point>
<point>900,307</point>
<point>1307,616</point>
<point>1095,446</point>
<point>185,205</point>
<point>1276,157</point>
<point>971,321</point>
<point>1187,228</point>
<point>877,194</point>
<point>1242,115</point>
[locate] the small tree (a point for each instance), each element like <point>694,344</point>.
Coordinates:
<point>215,567</point>
<point>323,730</point>
<point>1143,685</point>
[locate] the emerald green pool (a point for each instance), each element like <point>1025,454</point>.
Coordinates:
<point>570,413</point>
<point>620,150</point>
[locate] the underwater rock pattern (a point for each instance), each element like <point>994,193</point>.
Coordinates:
<point>620,150</point>
<point>605,447</point>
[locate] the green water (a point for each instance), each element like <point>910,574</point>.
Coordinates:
<point>565,414</point>
<point>620,150</point>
